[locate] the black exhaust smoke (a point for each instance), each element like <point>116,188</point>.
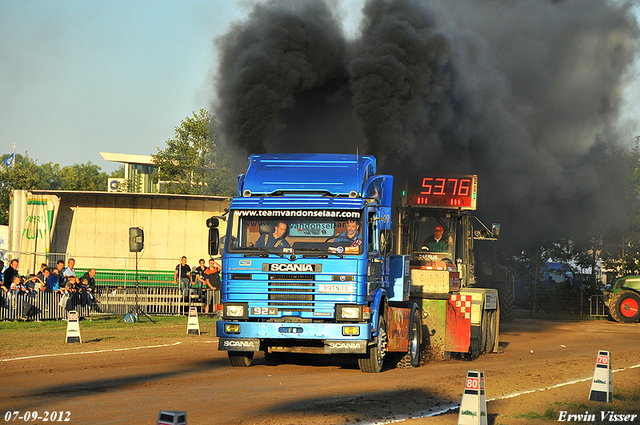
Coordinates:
<point>525,94</point>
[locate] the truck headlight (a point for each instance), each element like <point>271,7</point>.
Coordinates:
<point>348,312</point>
<point>235,310</point>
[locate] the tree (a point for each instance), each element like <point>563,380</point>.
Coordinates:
<point>620,251</point>
<point>83,177</point>
<point>118,173</point>
<point>192,161</point>
<point>23,175</point>
<point>26,174</point>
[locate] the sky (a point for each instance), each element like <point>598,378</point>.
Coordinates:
<point>81,77</point>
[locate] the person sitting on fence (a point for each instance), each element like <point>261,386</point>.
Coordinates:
<point>199,273</point>
<point>212,280</point>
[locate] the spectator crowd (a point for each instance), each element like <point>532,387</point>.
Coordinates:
<point>74,290</point>
<point>204,280</point>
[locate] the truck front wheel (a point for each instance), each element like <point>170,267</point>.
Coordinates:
<point>374,359</point>
<point>240,358</point>
<point>624,307</point>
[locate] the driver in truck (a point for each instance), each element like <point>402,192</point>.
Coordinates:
<point>352,234</point>
<point>436,242</point>
<point>276,239</point>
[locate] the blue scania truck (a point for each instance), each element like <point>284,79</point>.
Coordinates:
<point>308,267</point>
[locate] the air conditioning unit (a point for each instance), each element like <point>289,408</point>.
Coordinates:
<point>117,185</point>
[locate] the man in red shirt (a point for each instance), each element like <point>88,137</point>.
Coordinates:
<point>212,280</point>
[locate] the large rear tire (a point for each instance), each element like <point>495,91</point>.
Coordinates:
<point>240,358</point>
<point>492,326</point>
<point>483,331</point>
<point>624,307</point>
<point>506,300</point>
<point>374,359</point>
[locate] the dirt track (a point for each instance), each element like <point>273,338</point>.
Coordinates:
<point>188,373</point>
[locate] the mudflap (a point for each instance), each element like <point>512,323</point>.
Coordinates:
<point>399,319</point>
<point>458,331</point>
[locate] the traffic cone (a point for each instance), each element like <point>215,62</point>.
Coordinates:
<point>473,408</point>
<point>601,383</point>
<point>171,417</point>
<point>73,327</point>
<point>193,325</point>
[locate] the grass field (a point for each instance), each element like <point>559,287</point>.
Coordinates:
<point>25,337</point>
<point>625,402</point>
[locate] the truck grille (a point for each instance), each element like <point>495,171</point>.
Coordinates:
<point>286,292</point>
<point>291,297</point>
<point>306,277</point>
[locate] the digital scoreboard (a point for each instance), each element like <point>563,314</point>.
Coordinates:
<point>453,192</point>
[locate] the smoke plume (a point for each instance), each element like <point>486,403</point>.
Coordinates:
<point>522,93</point>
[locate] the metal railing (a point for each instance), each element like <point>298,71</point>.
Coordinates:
<point>110,271</point>
<point>42,306</point>
<point>107,301</point>
<point>597,308</point>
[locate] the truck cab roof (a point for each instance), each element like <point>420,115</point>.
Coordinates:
<point>307,174</point>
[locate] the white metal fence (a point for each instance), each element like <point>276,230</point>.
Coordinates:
<point>119,301</point>
<point>597,307</point>
<point>116,272</point>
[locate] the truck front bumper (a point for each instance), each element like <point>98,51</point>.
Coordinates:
<point>249,336</point>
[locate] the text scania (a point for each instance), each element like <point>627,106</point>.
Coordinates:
<point>239,344</point>
<point>298,213</point>
<point>350,345</point>
<point>293,267</point>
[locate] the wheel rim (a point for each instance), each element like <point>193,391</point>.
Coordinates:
<point>629,307</point>
<point>382,342</point>
<point>414,340</point>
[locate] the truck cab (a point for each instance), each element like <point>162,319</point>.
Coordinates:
<point>307,260</point>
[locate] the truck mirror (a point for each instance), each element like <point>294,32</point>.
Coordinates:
<point>386,242</point>
<point>495,229</point>
<point>212,222</point>
<point>214,241</point>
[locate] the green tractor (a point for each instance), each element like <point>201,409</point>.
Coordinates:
<point>623,299</point>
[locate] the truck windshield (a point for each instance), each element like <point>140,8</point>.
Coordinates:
<point>300,231</point>
<point>434,238</point>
